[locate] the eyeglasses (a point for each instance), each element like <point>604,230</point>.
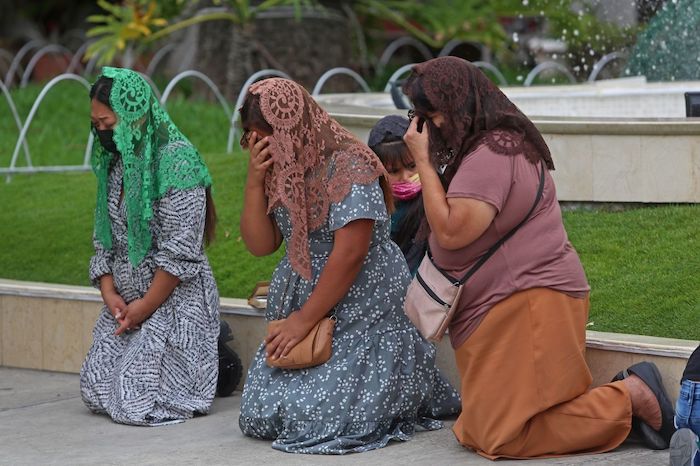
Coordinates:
<point>411,114</point>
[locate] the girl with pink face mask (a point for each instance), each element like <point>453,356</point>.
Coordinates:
<point>386,140</point>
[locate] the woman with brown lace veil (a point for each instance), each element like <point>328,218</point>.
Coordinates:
<point>316,187</point>
<point>519,329</point>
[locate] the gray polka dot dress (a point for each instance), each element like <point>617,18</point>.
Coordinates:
<point>381,380</point>
<point>167,370</point>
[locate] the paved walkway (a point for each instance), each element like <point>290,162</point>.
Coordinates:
<point>43,421</point>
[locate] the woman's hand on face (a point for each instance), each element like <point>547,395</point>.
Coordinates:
<point>279,342</point>
<point>260,158</point>
<point>417,143</point>
<point>114,303</point>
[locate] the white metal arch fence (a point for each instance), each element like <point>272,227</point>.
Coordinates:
<point>34,50</point>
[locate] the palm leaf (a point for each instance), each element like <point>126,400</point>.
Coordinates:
<point>100,30</point>
<point>115,10</point>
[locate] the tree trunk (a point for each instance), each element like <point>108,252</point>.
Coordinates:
<point>212,54</point>
<point>239,65</point>
<point>229,53</point>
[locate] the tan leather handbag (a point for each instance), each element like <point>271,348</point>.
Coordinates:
<point>433,295</point>
<point>313,350</point>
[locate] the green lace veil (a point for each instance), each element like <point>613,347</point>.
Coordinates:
<point>156,157</point>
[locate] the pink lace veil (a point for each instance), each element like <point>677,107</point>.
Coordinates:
<point>316,161</point>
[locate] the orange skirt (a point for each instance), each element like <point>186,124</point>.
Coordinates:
<point>525,383</point>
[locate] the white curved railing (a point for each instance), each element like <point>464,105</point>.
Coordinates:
<point>267,73</point>
<point>400,100</point>
<point>6,55</point>
<point>91,65</point>
<point>484,65</point>
<point>79,54</point>
<point>395,45</point>
<point>17,60</point>
<point>158,56</point>
<point>150,82</point>
<point>51,48</point>
<point>600,64</point>
<point>548,65</point>
<point>18,121</point>
<point>454,43</point>
<point>232,114</point>
<point>339,71</point>
<point>25,128</point>
<point>202,77</point>
<point>397,74</point>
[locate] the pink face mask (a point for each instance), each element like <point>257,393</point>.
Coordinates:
<point>406,190</point>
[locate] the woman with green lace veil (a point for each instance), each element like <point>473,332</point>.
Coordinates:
<point>154,356</point>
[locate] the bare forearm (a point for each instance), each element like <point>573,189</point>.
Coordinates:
<point>161,288</point>
<point>107,285</point>
<point>455,222</point>
<point>336,279</point>
<point>258,231</point>
<point>350,248</point>
<point>437,211</point>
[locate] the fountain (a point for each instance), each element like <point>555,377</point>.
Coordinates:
<point>621,140</point>
<point>667,50</point>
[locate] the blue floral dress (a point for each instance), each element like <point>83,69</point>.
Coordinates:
<point>381,380</point>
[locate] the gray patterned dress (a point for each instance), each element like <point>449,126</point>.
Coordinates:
<point>167,370</point>
<point>381,380</point>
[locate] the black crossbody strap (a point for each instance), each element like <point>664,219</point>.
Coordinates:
<point>493,248</point>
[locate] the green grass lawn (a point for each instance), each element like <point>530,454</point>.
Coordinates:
<point>643,264</point>
<point>46,228</point>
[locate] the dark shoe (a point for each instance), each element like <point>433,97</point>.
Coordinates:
<point>649,373</point>
<point>683,447</point>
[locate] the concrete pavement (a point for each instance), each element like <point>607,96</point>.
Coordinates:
<point>43,421</point>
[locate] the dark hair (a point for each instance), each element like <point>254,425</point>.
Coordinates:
<point>252,117</point>
<point>210,219</point>
<point>414,88</point>
<point>407,229</point>
<point>100,91</point>
<point>391,152</point>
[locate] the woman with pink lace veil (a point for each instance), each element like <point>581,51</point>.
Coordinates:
<point>315,187</point>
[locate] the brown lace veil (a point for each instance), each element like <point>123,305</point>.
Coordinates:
<point>475,110</point>
<point>316,161</point>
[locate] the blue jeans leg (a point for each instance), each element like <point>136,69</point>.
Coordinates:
<point>688,411</point>
<point>688,407</point>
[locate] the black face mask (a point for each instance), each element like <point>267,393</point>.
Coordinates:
<point>105,137</point>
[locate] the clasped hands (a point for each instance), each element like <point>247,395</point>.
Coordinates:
<point>129,316</point>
